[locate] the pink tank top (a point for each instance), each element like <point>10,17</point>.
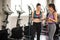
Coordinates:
<point>51,16</point>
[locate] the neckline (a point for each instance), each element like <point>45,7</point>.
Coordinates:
<point>38,13</point>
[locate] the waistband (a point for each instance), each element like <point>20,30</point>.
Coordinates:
<point>51,23</point>
<point>36,22</point>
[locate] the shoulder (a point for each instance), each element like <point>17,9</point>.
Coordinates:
<point>42,13</point>
<point>33,12</point>
<point>55,13</point>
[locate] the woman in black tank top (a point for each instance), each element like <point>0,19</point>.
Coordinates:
<point>36,18</point>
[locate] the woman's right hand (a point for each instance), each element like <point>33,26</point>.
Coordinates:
<point>32,19</point>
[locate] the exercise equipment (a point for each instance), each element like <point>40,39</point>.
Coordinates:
<point>7,11</point>
<point>17,31</point>
<point>4,32</point>
<point>28,30</point>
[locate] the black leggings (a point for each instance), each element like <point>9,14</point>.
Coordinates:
<point>37,28</point>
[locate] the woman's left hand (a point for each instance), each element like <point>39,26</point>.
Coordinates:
<point>49,18</point>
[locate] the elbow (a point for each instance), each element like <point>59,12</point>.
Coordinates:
<point>55,20</point>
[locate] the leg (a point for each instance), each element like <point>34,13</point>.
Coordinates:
<point>38,31</point>
<point>38,35</point>
<point>34,28</point>
<point>52,29</point>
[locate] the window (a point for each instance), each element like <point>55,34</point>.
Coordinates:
<point>24,4</point>
<point>57,3</point>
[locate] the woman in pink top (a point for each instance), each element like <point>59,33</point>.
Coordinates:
<point>51,20</point>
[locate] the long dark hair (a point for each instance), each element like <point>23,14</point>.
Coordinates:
<point>53,6</point>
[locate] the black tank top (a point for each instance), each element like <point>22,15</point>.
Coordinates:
<point>37,15</point>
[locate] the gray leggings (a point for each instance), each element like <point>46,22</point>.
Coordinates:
<point>52,29</point>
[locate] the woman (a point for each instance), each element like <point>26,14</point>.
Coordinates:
<point>37,16</point>
<point>51,20</point>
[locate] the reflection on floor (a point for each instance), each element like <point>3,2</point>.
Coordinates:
<point>42,37</point>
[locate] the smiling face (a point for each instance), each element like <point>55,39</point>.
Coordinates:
<point>38,7</point>
<point>50,9</point>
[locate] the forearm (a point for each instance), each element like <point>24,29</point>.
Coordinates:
<point>53,20</point>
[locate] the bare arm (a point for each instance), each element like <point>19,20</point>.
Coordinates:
<point>32,15</point>
<point>42,16</point>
